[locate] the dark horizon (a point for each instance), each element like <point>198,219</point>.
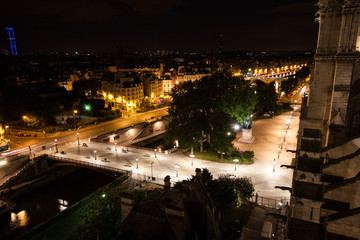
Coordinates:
<point>139,25</point>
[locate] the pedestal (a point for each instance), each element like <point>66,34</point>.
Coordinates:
<point>246,136</point>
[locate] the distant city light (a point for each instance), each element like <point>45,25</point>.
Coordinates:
<point>236,127</point>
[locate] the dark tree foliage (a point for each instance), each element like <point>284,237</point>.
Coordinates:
<point>97,107</point>
<point>102,216</point>
<point>266,97</point>
<point>293,83</point>
<point>226,190</point>
<point>206,107</point>
<point>84,89</point>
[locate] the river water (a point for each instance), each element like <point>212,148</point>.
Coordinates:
<point>39,205</point>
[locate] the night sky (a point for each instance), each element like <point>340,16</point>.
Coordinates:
<point>180,25</point>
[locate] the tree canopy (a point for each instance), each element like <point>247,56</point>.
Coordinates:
<point>293,83</point>
<point>207,107</point>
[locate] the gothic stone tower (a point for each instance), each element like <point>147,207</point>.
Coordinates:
<point>325,196</point>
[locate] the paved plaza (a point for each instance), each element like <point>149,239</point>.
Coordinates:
<point>267,132</point>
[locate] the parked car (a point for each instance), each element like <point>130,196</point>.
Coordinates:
<point>85,145</point>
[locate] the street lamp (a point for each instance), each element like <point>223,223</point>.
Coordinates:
<point>192,159</point>
<point>6,130</point>
<point>24,117</point>
<point>235,162</point>
<point>56,147</point>
<point>115,147</point>
<point>95,154</point>
<point>74,113</point>
<point>155,152</point>
<point>137,163</point>
<point>176,166</point>
<point>77,136</point>
<point>236,127</point>
<point>152,175</point>
<point>274,165</point>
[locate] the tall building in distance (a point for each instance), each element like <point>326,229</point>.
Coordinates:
<point>221,47</point>
<point>12,40</point>
<point>325,195</point>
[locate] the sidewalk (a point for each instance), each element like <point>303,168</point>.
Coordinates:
<point>268,135</point>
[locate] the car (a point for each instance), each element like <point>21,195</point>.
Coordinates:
<point>62,152</point>
<point>85,145</point>
<point>105,160</point>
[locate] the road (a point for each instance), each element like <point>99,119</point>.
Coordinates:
<point>21,144</point>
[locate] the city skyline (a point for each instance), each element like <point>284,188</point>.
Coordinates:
<point>180,25</point>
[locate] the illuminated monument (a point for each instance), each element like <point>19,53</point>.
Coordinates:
<point>12,41</point>
<point>325,195</point>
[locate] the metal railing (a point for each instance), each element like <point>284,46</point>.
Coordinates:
<point>145,178</point>
<point>270,202</point>
<point>99,166</point>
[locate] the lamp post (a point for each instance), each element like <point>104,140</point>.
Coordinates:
<point>6,131</point>
<point>24,117</point>
<point>152,175</point>
<point>235,162</point>
<point>176,166</point>
<point>137,163</point>
<point>155,152</point>
<point>56,147</point>
<point>77,136</point>
<point>115,147</point>
<point>274,165</point>
<point>192,159</point>
<point>74,113</point>
<point>95,154</point>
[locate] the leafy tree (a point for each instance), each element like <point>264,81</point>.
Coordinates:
<point>146,105</point>
<point>102,215</point>
<point>205,108</point>
<point>266,97</point>
<point>83,89</point>
<point>239,100</point>
<point>293,83</point>
<point>222,192</point>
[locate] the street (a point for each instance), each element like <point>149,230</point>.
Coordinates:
<point>84,133</point>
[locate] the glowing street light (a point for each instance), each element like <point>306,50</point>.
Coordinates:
<point>6,130</point>
<point>152,175</point>
<point>155,152</point>
<point>75,112</point>
<point>235,162</point>
<point>192,159</point>
<point>78,140</point>
<point>115,147</point>
<point>274,165</point>
<point>95,154</point>
<point>177,166</point>
<point>236,127</point>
